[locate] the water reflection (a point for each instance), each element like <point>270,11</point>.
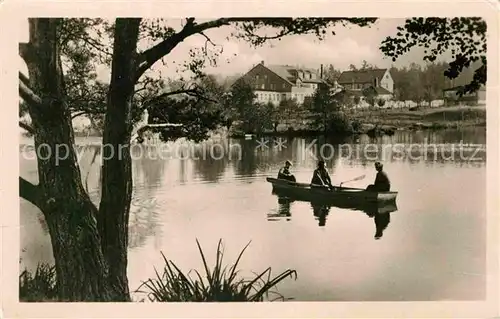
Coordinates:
<point>231,196</point>
<point>149,173</point>
<point>320,212</point>
<point>284,208</point>
<point>380,212</point>
<point>381,215</point>
<point>252,155</point>
<point>212,158</point>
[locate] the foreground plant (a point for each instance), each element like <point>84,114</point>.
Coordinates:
<point>220,283</point>
<point>38,286</point>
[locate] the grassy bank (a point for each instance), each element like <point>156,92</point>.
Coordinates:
<point>443,117</point>
<point>386,121</point>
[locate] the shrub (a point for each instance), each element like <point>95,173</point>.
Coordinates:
<point>220,283</point>
<point>356,125</point>
<point>40,286</point>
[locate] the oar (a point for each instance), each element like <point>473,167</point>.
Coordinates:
<point>353,180</point>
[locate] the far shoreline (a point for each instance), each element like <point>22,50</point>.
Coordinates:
<point>377,122</point>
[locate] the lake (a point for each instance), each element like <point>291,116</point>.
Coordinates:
<point>433,248</point>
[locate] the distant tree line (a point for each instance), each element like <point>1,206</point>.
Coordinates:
<point>414,82</point>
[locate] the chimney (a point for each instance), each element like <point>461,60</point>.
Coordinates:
<point>262,62</point>
<point>321,72</point>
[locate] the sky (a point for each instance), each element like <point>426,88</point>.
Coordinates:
<point>350,45</point>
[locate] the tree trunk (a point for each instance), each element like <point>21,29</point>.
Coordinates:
<point>80,266</point>
<point>116,184</point>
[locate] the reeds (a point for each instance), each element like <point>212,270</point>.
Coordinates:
<point>39,286</point>
<point>222,283</point>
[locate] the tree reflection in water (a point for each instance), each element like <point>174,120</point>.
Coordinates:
<point>149,172</point>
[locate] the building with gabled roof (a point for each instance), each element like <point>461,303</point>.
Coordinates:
<point>356,81</point>
<point>274,83</point>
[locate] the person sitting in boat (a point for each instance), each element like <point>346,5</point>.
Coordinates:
<point>321,176</point>
<point>284,172</point>
<point>382,183</point>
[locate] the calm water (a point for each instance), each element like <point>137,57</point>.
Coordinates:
<point>432,249</point>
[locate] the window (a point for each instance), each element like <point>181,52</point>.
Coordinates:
<point>257,77</point>
<point>263,86</point>
<point>284,85</point>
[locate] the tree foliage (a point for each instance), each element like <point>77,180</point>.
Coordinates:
<point>288,110</point>
<point>426,83</point>
<point>370,95</point>
<point>464,38</point>
<point>325,110</point>
<point>331,74</point>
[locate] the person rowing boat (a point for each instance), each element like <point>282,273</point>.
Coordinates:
<point>321,176</point>
<point>284,172</point>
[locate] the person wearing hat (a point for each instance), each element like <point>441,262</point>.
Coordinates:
<point>284,172</point>
<point>321,176</point>
<point>382,183</point>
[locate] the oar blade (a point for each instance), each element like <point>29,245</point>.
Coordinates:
<point>354,179</point>
<point>359,178</point>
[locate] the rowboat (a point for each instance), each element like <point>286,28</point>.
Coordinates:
<point>317,193</point>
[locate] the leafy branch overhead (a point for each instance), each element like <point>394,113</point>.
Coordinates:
<point>464,38</point>
<point>252,30</point>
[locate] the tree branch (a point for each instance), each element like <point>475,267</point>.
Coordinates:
<point>23,78</point>
<point>155,53</point>
<point>77,114</point>
<point>82,112</point>
<point>27,127</point>
<point>30,192</point>
<point>24,50</point>
<point>164,95</point>
<point>95,46</point>
<point>29,96</point>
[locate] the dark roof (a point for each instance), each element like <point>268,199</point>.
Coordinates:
<point>381,90</point>
<point>290,73</point>
<point>282,71</point>
<point>354,92</point>
<point>361,76</point>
